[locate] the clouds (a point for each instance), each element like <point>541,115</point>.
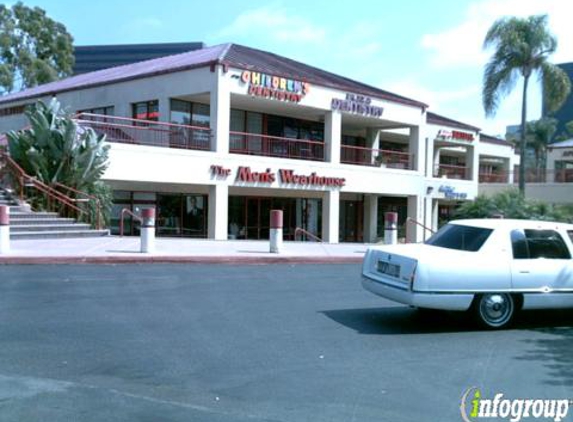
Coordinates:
<point>277,23</point>
<point>460,46</point>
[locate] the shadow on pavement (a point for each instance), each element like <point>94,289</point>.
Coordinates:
<point>398,320</point>
<point>405,320</point>
<point>554,347</point>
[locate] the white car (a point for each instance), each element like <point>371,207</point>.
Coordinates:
<point>492,267</point>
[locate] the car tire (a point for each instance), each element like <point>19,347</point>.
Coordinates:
<point>495,310</point>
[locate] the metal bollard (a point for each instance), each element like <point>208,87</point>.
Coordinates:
<point>148,230</point>
<point>4,229</point>
<point>391,228</point>
<point>276,232</point>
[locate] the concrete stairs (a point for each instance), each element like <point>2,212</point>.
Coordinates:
<point>26,224</point>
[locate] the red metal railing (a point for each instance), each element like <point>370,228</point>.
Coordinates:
<point>132,214</point>
<point>451,171</point>
<point>493,178</point>
<point>375,157</point>
<point>546,176</point>
<point>145,132</point>
<point>300,231</point>
<point>54,199</point>
<point>274,146</point>
<point>80,196</point>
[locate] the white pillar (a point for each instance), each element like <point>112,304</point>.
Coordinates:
<point>330,216</point>
<point>218,211</point>
<point>4,229</point>
<point>220,110</point>
<point>472,163</point>
<point>413,230</point>
<point>332,136</point>
<point>417,149</point>
<point>373,141</point>
<point>370,218</point>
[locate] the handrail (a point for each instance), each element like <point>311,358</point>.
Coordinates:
<point>306,232</point>
<point>107,119</point>
<point>132,214</point>
<point>411,220</point>
<point>278,138</point>
<point>50,192</point>
<point>88,198</point>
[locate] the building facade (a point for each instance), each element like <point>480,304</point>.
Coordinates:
<point>216,138</point>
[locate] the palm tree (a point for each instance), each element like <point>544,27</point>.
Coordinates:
<point>522,48</point>
<point>539,134</point>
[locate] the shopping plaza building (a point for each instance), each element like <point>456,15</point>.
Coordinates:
<point>216,138</point>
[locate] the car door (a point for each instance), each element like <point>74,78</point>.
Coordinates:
<point>542,264</point>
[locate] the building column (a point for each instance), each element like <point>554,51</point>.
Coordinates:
<point>218,211</point>
<point>370,218</point>
<point>330,216</point>
<point>472,163</point>
<point>332,136</point>
<point>507,170</point>
<point>430,217</point>
<point>373,142</point>
<point>220,110</point>
<point>414,233</point>
<point>417,149</point>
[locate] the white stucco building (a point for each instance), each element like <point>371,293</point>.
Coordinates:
<point>216,138</point>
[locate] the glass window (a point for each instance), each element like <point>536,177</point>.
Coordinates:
<point>237,120</point>
<point>146,110</point>
<point>570,233</point>
<point>519,245</point>
<point>546,244</point>
<point>463,238</point>
<point>201,115</point>
<point>180,112</point>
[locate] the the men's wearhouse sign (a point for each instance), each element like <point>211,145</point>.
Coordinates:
<point>245,174</point>
<point>357,104</point>
<point>275,87</point>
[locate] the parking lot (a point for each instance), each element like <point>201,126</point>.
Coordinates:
<point>252,343</point>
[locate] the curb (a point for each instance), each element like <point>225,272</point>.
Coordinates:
<point>225,260</point>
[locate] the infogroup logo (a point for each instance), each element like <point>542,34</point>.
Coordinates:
<point>474,407</point>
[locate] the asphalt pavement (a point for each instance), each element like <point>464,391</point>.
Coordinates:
<point>296,343</point>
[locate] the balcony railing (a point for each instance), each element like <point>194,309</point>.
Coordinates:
<point>375,157</point>
<point>145,132</point>
<point>493,178</point>
<point>451,171</point>
<point>274,146</point>
<point>546,176</point>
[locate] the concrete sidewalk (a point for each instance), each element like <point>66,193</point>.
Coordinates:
<point>113,249</point>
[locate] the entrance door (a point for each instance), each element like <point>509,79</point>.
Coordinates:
<point>258,217</point>
<point>351,221</point>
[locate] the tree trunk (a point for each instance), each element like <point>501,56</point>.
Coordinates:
<point>523,142</point>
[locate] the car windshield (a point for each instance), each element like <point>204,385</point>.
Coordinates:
<point>463,238</point>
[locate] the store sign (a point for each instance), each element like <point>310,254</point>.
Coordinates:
<point>275,87</point>
<point>356,104</point>
<point>455,135</point>
<point>285,176</point>
<point>567,153</point>
<point>450,192</point>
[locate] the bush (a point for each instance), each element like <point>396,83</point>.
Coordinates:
<point>511,204</point>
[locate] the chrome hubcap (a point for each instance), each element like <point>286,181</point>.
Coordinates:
<point>496,309</point>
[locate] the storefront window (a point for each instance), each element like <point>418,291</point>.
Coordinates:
<point>146,110</point>
<point>189,114</point>
<point>177,214</point>
<point>102,111</point>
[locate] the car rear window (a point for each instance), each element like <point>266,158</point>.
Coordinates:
<point>532,244</point>
<point>462,238</point>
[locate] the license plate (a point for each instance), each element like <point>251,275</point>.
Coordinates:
<point>392,270</point>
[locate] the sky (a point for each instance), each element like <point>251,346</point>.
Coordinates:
<point>430,51</point>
